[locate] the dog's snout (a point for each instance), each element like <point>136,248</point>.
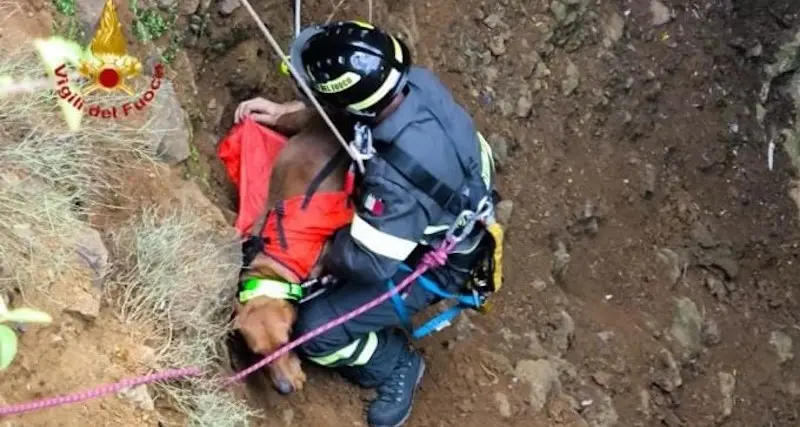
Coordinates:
<point>284,386</point>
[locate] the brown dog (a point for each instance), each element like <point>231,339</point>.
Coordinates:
<point>265,322</point>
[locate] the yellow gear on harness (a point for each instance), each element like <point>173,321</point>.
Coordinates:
<point>496,231</point>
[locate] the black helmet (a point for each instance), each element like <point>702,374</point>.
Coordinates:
<point>351,65</point>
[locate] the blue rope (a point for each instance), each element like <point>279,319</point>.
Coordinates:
<point>440,321</point>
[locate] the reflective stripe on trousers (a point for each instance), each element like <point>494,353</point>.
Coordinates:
<point>357,353</point>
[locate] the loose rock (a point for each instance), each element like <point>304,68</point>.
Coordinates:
<point>499,147</point>
<point>493,21</point>
<point>602,413</point>
<point>528,63</point>
<point>93,254</point>
<point>559,11</point>
<point>564,331</point>
<point>661,13</point>
<point>571,80</point>
<point>563,410</point>
<point>189,7</point>
<point>83,302</point>
<point>227,7</point>
<point>539,285</point>
<point>166,4</point>
<point>503,212</point>
<point>711,336</point>
<point>506,108</point>
<point>497,45</point>
<point>668,375</point>
<point>541,377</point>
<point>140,396</point>
<point>614,28</point>
<point>503,405</point>
<point>169,124</point>
<point>727,383</point>
<point>560,261</point>
<point>524,105</point>
<point>672,264</point>
<point>686,327</point>
<point>782,343</point>
<point>716,286</point>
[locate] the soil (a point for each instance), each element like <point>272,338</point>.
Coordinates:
<point>644,184</point>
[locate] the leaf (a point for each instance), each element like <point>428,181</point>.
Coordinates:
<point>26,315</point>
<point>8,346</point>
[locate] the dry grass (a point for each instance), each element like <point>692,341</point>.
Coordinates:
<point>180,278</point>
<point>173,273</point>
<point>50,176</point>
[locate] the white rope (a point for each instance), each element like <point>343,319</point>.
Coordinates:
<point>301,82</point>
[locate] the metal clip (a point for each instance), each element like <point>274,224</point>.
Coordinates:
<point>362,145</point>
<point>482,213</point>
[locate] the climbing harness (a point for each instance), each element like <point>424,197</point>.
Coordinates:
<point>475,299</point>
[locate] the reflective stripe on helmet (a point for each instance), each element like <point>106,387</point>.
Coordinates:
<point>363,24</point>
<point>387,86</point>
<point>339,84</point>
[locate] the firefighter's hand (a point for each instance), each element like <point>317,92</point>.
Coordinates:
<point>265,111</point>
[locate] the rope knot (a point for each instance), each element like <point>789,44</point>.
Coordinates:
<point>438,256</point>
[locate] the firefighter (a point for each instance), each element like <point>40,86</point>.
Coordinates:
<point>430,164</point>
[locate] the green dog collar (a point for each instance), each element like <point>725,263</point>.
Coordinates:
<point>254,287</point>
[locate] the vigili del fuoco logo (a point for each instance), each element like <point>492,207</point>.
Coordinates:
<point>105,65</point>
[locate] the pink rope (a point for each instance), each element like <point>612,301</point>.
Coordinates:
<point>434,258</point>
<point>98,391</point>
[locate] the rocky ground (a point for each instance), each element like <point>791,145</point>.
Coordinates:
<point>651,260</point>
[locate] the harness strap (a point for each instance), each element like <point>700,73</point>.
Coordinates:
<point>440,321</point>
<point>447,198</point>
<point>255,242</point>
<point>279,212</point>
<point>328,169</point>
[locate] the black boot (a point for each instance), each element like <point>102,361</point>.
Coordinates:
<point>396,395</point>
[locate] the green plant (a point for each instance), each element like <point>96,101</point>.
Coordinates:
<point>65,7</point>
<point>8,339</point>
<point>148,24</point>
<point>66,25</point>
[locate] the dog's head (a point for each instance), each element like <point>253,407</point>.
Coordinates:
<point>266,325</point>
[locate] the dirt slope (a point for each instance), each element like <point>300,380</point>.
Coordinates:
<point>651,270</point>
<point>620,140</point>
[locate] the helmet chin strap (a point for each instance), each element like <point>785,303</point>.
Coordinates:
<point>301,81</point>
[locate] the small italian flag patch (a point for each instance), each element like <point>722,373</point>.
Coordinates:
<point>373,205</point>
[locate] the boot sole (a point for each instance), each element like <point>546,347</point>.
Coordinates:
<point>413,394</point>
